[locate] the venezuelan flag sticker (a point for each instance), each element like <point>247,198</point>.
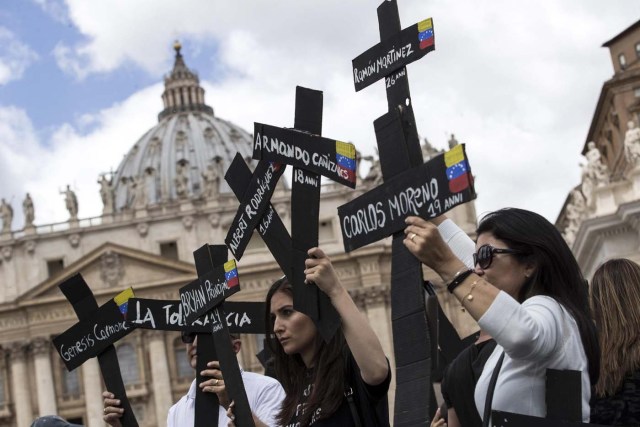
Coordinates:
<point>231,274</point>
<point>122,300</point>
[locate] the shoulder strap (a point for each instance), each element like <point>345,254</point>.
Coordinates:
<point>348,388</point>
<point>348,393</point>
<point>492,386</point>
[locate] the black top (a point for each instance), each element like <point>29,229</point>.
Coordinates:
<point>371,402</point>
<point>621,409</point>
<point>460,378</point>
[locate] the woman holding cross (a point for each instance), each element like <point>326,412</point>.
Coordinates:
<point>341,382</point>
<point>527,292</point>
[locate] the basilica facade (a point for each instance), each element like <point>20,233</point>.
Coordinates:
<point>167,198</point>
<point>601,216</point>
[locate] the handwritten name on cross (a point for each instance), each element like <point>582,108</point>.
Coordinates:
<point>215,283</point>
<point>428,190</point>
<point>94,335</point>
<point>270,227</point>
<point>253,205</point>
<point>242,317</point>
<point>311,155</point>
<point>399,150</point>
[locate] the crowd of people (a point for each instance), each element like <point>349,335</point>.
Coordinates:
<point>518,280</point>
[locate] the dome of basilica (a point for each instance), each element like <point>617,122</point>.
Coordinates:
<point>184,156</point>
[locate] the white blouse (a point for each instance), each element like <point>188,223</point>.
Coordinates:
<point>535,335</point>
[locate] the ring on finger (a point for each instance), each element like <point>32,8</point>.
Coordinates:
<point>216,381</point>
<point>413,236</point>
<point>105,410</point>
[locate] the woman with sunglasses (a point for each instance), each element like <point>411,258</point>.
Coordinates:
<point>527,292</point>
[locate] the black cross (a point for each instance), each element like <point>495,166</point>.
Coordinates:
<point>204,296</point>
<point>94,335</point>
<point>428,190</point>
<point>242,317</point>
<point>311,156</point>
<point>399,150</point>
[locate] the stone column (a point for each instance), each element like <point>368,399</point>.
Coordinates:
<point>44,374</point>
<point>375,300</point>
<point>160,375</point>
<point>20,384</point>
<point>92,384</point>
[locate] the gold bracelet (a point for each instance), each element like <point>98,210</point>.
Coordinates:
<point>469,297</point>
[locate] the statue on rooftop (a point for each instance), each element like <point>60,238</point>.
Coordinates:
<point>71,202</point>
<point>6,214</point>
<point>595,172</point>
<point>106,193</point>
<point>181,180</point>
<point>632,144</point>
<point>211,178</point>
<point>29,211</point>
<point>575,213</point>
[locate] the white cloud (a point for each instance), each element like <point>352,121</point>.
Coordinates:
<point>516,81</point>
<point>15,56</point>
<point>57,9</point>
<point>74,157</point>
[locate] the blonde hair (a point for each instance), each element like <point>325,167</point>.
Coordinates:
<point>615,301</point>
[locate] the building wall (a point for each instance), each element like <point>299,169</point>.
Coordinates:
<point>117,251</point>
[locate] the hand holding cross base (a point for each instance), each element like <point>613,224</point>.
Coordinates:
<point>112,409</point>
<point>91,319</point>
<point>216,282</point>
<point>216,383</point>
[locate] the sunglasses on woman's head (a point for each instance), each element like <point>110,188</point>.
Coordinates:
<point>484,256</point>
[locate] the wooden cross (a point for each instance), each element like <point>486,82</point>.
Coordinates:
<point>94,335</point>
<point>311,156</point>
<point>217,280</point>
<point>399,150</point>
<point>242,317</point>
<point>428,190</point>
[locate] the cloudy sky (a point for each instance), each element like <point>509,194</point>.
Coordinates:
<point>517,81</point>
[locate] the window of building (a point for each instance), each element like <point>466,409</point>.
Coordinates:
<point>70,383</point>
<point>638,50</point>
<point>325,231</point>
<point>128,364</point>
<point>622,61</point>
<point>183,367</point>
<point>169,250</point>
<point>55,266</point>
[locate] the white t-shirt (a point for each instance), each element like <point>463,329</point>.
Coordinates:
<point>264,393</point>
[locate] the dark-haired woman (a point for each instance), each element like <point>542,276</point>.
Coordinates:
<point>527,292</point>
<point>340,383</point>
<point>615,300</point>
